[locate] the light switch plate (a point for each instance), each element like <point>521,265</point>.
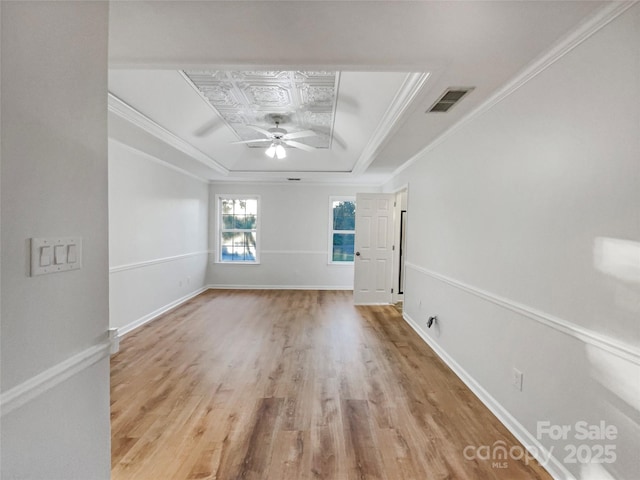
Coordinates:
<point>59,252</point>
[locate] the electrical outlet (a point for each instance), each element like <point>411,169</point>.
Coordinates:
<point>517,379</point>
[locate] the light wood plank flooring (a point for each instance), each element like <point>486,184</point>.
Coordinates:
<point>274,385</point>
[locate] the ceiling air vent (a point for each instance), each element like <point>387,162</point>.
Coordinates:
<point>449,98</point>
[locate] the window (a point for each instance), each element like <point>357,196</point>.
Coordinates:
<point>238,225</point>
<point>342,230</point>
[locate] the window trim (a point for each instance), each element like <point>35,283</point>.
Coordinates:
<point>218,246</point>
<point>338,198</point>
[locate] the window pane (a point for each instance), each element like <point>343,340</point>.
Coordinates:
<point>343,247</point>
<point>241,215</point>
<point>227,221</point>
<point>227,238</point>
<point>251,206</point>
<point>245,222</point>
<point>227,205</point>
<point>240,207</point>
<point>250,247</point>
<point>344,215</point>
<point>238,247</point>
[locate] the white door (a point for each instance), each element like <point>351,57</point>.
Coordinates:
<point>373,241</point>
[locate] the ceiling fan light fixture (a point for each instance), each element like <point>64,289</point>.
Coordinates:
<point>271,151</point>
<point>280,152</point>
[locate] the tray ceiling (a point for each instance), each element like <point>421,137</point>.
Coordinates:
<point>183,86</point>
<point>306,100</point>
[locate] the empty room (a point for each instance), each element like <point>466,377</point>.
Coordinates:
<point>320,240</point>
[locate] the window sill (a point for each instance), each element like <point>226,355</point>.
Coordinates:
<point>218,262</point>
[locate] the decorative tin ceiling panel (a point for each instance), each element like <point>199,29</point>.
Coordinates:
<point>305,99</point>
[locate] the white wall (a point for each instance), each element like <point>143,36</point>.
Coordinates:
<point>158,236</point>
<point>294,237</point>
<point>524,238</point>
<point>54,348</point>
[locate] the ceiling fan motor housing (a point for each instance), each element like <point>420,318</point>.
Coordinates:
<point>278,132</point>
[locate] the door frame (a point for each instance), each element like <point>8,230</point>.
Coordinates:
<point>397,268</point>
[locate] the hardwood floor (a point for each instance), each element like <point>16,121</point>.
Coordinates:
<point>294,385</point>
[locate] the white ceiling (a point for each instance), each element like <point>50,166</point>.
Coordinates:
<point>393,60</point>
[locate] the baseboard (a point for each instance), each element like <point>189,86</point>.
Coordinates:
<point>375,304</point>
<point>122,331</point>
<point>41,383</point>
<point>279,287</point>
<point>550,463</point>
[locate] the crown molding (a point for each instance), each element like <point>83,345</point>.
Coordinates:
<point>585,30</point>
<point>140,120</point>
<point>157,160</point>
<point>269,176</point>
<point>307,182</point>
<point>411,86</point>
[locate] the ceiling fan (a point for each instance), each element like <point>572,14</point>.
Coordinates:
<point>279,137</point>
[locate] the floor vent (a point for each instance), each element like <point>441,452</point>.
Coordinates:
<point>449,98</point>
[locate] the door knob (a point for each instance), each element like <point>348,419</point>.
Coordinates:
<point>357,254</point>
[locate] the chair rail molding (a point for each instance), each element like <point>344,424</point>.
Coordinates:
<point>623,350</point>
<point>28,390</point>
<point>155,261</point>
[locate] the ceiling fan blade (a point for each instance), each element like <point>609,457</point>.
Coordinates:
<point>261,130</point>
<point>304,133</point>
<point>299,145</point>
<point>253,141</point>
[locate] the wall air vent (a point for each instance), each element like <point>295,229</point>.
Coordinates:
<point>449,98</point>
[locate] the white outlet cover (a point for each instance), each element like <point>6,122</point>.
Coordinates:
<point>517,379</point>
